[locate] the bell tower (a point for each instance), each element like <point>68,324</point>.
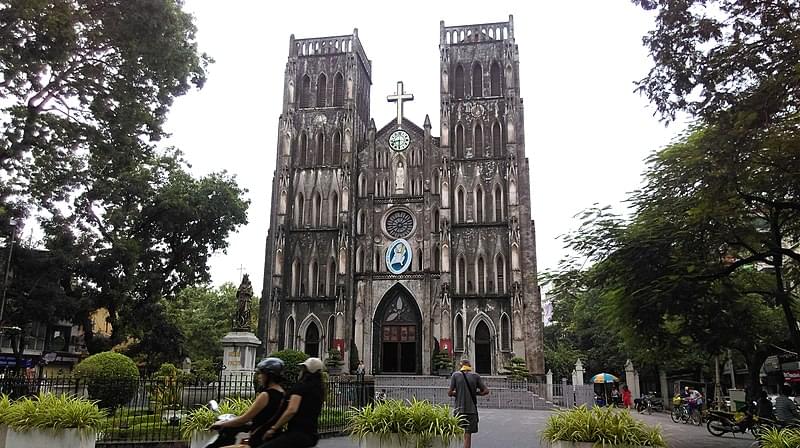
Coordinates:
<point>307,274</point>
<point>483,143</point>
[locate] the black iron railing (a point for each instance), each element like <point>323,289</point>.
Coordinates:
<point>150,411</point>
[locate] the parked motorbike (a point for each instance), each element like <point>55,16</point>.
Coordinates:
<point>649,403</point>
<point>227,436</point>
<point>724,422</point>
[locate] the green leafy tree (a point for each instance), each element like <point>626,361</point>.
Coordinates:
<point>292,360</point>
<point>203,316</point>
<point>86,88</point>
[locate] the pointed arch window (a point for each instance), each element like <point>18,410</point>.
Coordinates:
<point>331,333</point>
<point>322,90</point>
<point>302,150</point>
<point>361,224</point>
<point>334,210</point>
<point>498,203</point>
<point>460,205</point>
<point>299,209</point>
<point>481,276</point>
<point>459,80</point>
<point>496,76</point>
<point>419,259</point>
<point>500,274</point>
<point>479,204</point>
<point>289,332</point>
<point>313,278</point>
<point>477,80</point>
<point>436,220</point>
<point>330,279</point>
<point>435,187</point>
<point>338,90</point>
<point>360,260</point>
<point>505,333</point>
<point>497,140</point>
<point>317,210</point>
<point>459,141</point>
<point>437,259</point>
<point>320,149</point>
<point>337,148</point>
<point>477,140</point>
<point>296,275</point>
<point>305,92</point>
<point>362,185</point>
<point>458,333</point>
<point>461,275</point>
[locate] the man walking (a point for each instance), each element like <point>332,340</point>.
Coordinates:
<point>465,386</point>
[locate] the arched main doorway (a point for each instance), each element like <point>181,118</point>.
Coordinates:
<point>312,340</point>
<point>483,349</point>
<point>397,335</point>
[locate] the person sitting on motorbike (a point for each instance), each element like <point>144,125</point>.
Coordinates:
<point>764,407</point>
<point>785,409</point>
<point>301,416</point>
<point>267,406</point>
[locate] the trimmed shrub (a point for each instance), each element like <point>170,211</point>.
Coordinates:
<point>778,437</point>
<point>111,378</point>
<point>292,359</point>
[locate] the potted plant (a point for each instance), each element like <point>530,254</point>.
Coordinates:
<point>400,424</point>
<point>442,363</point>
<point>334,361</point>
<point>51,420</point>
<point>195,427</point>
<point>586,428</point>
<point>778,438</point>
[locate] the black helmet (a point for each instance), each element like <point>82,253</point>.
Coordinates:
<point>271,366</point>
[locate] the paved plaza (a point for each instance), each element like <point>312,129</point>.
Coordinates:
<point>501,428</point>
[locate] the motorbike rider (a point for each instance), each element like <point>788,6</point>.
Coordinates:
<point>267,406</point>
<point>764,407</point>
<point>302,413</point>
<point>785,409</point>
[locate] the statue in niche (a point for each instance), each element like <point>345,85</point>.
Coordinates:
<point>514,231</point>
<point>244,295</point>
<point>399,178</point>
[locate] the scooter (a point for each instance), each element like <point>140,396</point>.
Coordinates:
<point>227,436</point>
<point>724,422</point>
<point>649,403</point>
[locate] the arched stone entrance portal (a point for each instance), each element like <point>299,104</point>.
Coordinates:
<point>397,333</point>
<point>483,349</point>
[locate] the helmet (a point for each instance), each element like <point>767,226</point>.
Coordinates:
<point>270,366</point>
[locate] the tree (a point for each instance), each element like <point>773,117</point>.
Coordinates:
<point>578,329</point>
<point>86,88</point>
<point>734,60</point>
<point>203,316</point>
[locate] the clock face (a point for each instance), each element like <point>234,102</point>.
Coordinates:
<point>399,140</point>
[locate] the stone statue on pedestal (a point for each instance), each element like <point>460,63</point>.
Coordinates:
<point>244,296</point>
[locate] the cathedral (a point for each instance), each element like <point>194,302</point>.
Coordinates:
<point>391,244</point>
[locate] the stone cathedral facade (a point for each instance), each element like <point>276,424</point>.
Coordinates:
<point>392,242</point>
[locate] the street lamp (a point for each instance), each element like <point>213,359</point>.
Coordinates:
<point>13,223</point>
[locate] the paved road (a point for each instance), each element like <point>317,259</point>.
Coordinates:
<point>520,429</point>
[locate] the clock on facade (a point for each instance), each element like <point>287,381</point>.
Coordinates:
<point>399,140</point>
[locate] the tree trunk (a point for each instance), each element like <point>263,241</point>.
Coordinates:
<point>755,360</point>
<point>781,295</point>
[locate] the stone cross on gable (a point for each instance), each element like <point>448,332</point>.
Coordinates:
<point>398,98</point>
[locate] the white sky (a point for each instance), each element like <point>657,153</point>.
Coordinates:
<point>587,133</point>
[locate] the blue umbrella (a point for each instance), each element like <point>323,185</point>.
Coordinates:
<point>601,378</point>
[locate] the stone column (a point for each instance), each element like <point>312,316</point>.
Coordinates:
<point>636,389</point>
<point>579,372</point>
<point>549,392</point>
<point>630,377</point>
<point>665,394</point>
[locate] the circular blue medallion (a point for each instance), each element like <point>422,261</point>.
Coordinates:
<point>398,256</point>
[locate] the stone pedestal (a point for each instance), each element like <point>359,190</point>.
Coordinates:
<point>239,354</point>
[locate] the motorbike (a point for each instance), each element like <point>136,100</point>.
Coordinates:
<point>649,403</point>
<point>724,422</point>
<point>227,436</point>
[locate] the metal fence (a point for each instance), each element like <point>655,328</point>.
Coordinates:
<point>149,411</point>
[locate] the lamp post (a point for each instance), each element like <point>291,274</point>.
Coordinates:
<point>13,224</point>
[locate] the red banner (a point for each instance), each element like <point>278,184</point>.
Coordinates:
<point>791,376</point>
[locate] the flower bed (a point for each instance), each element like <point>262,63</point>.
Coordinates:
<point>582,427</point>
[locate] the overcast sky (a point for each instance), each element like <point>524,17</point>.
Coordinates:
<point>587,133</point>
